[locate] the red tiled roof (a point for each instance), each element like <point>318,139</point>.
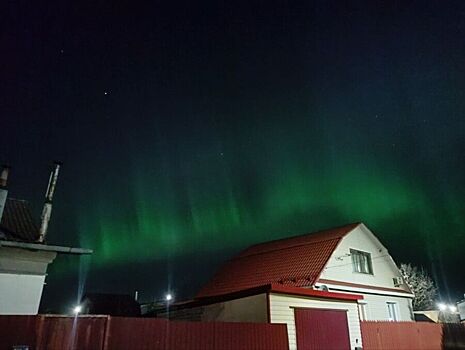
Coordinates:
<point>17,223</point>
<point>296,261</point>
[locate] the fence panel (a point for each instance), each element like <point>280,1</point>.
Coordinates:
<point>47,332</point>
<point>136,333</point>
<point>70,333</point>
<point>453,336</point>
<point>18,330</point>
<point>401,335</point>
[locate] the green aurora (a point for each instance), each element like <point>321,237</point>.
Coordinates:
<point>190,132</point>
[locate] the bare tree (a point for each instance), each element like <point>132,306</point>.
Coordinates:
<point>421,285</point>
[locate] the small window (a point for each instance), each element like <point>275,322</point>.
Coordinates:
<point>361,261</point>
<point>392,311</point>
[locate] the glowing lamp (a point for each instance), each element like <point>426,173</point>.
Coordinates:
<point>442,306</point>
<point>168,297</point>
<point>77,309</point>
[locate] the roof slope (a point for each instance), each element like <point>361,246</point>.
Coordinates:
<point>296,261</point>
<point>17,223</point>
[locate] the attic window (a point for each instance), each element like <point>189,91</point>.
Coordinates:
<point>361,261</point>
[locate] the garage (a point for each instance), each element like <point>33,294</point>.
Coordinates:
<point>321,329</point>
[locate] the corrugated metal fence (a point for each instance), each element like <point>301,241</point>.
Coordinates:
<point>401,335</point>
<point>105,333</point>
<point>412,336</point>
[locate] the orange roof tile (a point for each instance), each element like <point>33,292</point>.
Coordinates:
<point>295,261</point>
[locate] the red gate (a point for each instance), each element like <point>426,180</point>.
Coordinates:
<point>321,329</point>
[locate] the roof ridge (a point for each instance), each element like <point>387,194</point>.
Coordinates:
<point>240,256</point>
<point>323,239</point>
<point>296,261</point>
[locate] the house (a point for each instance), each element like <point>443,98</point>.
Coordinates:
<point>24,253</point>
<point>323,283</point>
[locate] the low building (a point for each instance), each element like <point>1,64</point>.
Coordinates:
<point>312,316</point>
<point>109,304</point>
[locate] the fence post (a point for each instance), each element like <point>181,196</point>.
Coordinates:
<point>39,329</point>
<point>106,333</point>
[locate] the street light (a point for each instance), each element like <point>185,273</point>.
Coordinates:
<point>442,306</point>
<point>77,309</point>
<point>168,297</point>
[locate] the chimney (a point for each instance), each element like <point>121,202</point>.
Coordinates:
<point>47,211</point>
<point>3,188</point>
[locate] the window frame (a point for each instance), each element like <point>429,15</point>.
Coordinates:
<point>392,311</point>
<point>356,252</point>
<point>362,310</point>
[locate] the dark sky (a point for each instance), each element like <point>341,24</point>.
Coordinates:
<point>190,130</point>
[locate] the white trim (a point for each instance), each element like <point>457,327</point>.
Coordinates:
<point>336,288</point>
<point>45,247</point>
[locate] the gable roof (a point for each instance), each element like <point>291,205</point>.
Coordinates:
<point>295,261</point>
<point>17,223</point>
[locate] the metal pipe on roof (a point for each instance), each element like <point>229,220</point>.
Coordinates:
<point>3,188</point>
<point>47,210</point>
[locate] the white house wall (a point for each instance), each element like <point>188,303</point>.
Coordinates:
<point>339,269</point>
<point>247,309</point>
<point>20,294</point>
<point>22,277</point>
<point>282,311</point>
<point>376,307</point>
<point>339,266</point>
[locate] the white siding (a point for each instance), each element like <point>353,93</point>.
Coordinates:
<point>339,267</point>
<point>20,294</point>
<point>22,276</point>
<point>281,311</point>
<point>247,309</point>
<point>376,307</point>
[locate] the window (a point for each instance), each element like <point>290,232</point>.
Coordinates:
<point>362,311</point>
<point>361,261</point>
<point>392,311</point>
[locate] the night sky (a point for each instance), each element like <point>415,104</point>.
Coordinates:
<point>190,130</point>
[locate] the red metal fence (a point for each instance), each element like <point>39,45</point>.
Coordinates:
<point>401,335</point>
<point>105,333</point>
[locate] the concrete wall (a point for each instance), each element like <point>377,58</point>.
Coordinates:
<point>282,311</point>
<point>247,309</point>
<point>22,276</point>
